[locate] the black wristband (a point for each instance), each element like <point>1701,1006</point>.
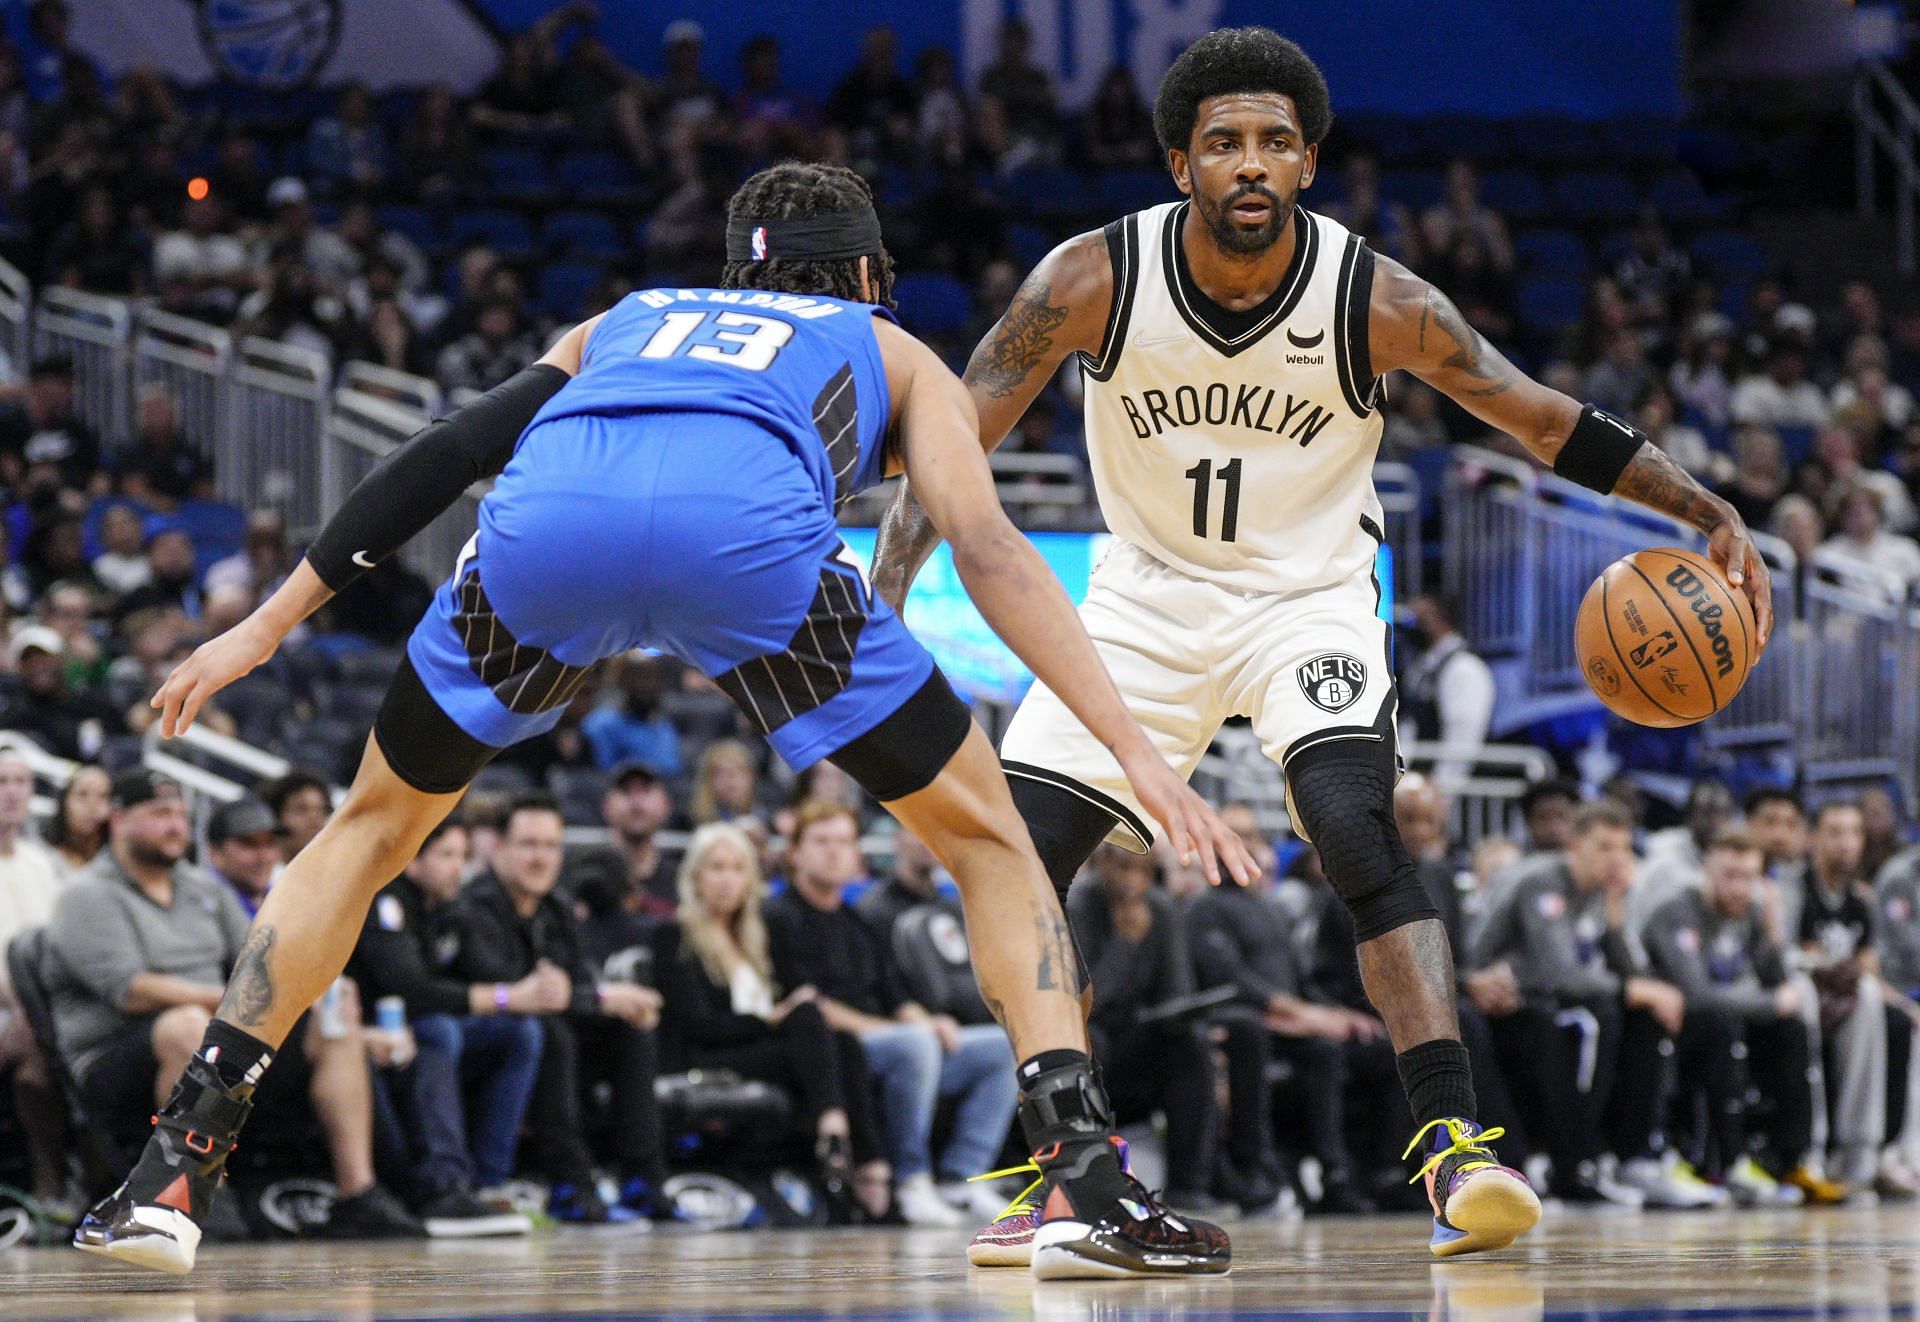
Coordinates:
<point>1598,451</point>
<point>415,484</point>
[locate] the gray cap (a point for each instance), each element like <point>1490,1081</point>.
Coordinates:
<point>241,817</point>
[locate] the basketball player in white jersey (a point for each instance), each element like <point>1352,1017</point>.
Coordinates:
<point>1233,345</point>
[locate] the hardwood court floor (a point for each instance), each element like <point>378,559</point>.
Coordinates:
<point>1862,1263</point>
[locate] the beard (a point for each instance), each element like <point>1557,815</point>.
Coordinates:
<point>150,855</point>
<point>1229,235</point>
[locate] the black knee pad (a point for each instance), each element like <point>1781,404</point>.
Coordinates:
<point>1066,828</point>
<point>1341,793</point>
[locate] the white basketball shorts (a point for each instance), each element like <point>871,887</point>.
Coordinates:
<point>1306,667</point>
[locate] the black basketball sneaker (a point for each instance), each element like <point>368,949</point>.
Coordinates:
<point>154,1218</point>
<point>1083,1235</point>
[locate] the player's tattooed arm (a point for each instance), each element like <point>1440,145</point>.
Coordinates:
<point>1060,309</point>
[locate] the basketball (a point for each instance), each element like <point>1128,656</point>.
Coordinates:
<point>1663,638</point>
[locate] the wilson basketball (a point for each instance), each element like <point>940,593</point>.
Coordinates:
<point>1664,639</point>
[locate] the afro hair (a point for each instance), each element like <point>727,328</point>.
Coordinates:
<point>1250,59</point>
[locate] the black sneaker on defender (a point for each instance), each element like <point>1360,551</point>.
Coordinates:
<point>1108,1238</point>
<point>154,1219</point>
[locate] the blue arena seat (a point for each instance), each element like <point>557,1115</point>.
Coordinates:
<point>564,287</point>
<point>415,223</point>
<point>1588,195</point>
<point>1551,303</point>
<point>1553,252</point>
<point>583,234</point>
<point>933,303</point>
<point>1729,253</point>
<point>1516,194</point>
<point>514,174</point>
<point>506,231</point>
<point>595,176</point>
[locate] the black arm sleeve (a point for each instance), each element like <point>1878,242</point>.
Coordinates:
<point>415,484</point>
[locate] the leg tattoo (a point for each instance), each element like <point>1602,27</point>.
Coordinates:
<point>1409,978</point>
<point>250,991</point>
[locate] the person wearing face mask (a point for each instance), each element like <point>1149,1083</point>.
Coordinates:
<point>724,1011</point>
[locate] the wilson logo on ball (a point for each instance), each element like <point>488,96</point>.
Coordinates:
<point>1687,583</point>
<point>1333,682</point>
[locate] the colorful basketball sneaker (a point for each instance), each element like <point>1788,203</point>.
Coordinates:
<point>1118,1237</point>
<point>1478,1204</point>
<point>155,1217</point>
<point>1007,1241</point>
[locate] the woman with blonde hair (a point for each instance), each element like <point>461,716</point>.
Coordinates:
<point>726,784</point>
<point>720,1003</point>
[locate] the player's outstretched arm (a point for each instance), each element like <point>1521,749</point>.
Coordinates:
<point>1022,600</point>
<point>1061,308</point>
<point>405,492</point>
<point>1413,326</point>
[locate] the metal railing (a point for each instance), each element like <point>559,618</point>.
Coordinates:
<point>1399,490</point>
<point>1887,122</point>
<point>192,360</point>
<point>97,333</point>
<point>269,453</point>
<point>16,316</point>
<point>361,430</point>
<point>419,393</point>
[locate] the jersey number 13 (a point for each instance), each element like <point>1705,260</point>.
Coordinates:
<point>738,339</point>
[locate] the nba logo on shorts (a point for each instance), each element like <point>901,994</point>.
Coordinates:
<point>759,243</point>
<point>1333,682</point>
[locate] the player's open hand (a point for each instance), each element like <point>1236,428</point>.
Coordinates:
<point>1732,548</point>
<point>1192,827</point>
<point>214,664</point>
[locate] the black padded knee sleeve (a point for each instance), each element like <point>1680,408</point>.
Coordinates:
<point>1066,828</point>
<point>1342,792</point>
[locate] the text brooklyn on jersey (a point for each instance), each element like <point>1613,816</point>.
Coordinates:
<point>1221,405</point>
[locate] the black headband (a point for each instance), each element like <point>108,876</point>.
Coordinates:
<point>829,238</point>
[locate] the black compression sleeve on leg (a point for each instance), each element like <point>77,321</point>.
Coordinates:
<point>1343,791</point>
<point>1066,829</point>
<point>415,484</point>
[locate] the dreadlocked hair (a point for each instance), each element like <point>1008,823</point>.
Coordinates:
<point>794,189</point>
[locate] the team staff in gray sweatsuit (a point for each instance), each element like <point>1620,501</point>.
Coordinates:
<point>1722,947</point>
<point>1584,1046</point>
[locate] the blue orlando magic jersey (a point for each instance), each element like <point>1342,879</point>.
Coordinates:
<point>806,369</point>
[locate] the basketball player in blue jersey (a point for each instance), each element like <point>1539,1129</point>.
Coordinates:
<point>668,476</point>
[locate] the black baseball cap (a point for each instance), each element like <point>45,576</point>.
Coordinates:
<point>634,766</point>
<point>138,785</point>
<point>242,817</point>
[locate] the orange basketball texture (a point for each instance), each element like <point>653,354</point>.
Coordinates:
<point>1663,639</point>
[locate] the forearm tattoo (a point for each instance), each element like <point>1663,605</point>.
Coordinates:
<point>1018,343</point>
<point>249,995</point>
<point>1472,355</point>
<point>1655,481</point>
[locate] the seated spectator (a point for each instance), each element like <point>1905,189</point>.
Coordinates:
<point>606,100</point>
<point>202,269</point>
<point>63,720</point>
<point>243,850</point>
<point>360,229</point>
<point>1782,395</point>
<point>69,610</point>
<point>348,149</point>
<point>123,566</point>
<point>29,887</point>
<point>1863,1032</point>
<point>1654,272</point>
<point>1836,469</point>
<point>1653,413</point>
<point>1867,382</point>
<point>874,104</point>
<point>1676,858</point>
<point>523,98</point>
<point>1760,474</point>
<point>726,784</point>
<point>468,1088</point>
<point>1135,948</point>
<point>1388,225</point>
<point>1622,375</point>
<point>1413,420</point>
<point>631,878</point>
<point>1890,560</point>
<point>774,119</point>
<point>498,346</point>
<point>140,947</point>
<point>383,333</point>
<point>1241,937</point>
<point>263,561</point>
<point>1118,127</point>
<point>56,550</point>
<point>161,468</point>
<point>507,925</point>
<point>1481,289</point>
<point>1702,374</point>
<point>172,580</point>
<point>43,429</point>
<point>1461,212</point>
<point>100,250</point>
<point>913,881</point>
<point>1019,114</point>
<point>721,1007</point>
<point>817,941</point>
<point>1560,931</point>
<point>943,127</point>
<point>301,802</point>
<point>1720,946</point>
<point>688,108</point>
<point>631,726</point>
<point>436,157</point>
<point>1797,522</point>
<point>77,831</point>
<point>1883,827</point>
<point>1449,689</point>
<point>292,305</point>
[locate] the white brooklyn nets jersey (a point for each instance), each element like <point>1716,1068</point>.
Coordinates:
<point>1238,447</point>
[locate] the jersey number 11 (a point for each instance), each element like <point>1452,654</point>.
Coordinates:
<point>1201,475</point>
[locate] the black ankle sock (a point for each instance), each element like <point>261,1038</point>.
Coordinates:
<point>238,1058</point>
<point>1048,1061</point>
<point>1439,1081</point>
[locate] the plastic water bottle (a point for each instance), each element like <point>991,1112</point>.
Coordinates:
<point>329,1015</point>
<point>390,1013</point>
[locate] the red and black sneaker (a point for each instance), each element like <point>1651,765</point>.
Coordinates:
<point>1087,1236</point>
<point>154,1218</point>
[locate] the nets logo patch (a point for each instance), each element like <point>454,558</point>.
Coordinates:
<point>1333,682</point>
